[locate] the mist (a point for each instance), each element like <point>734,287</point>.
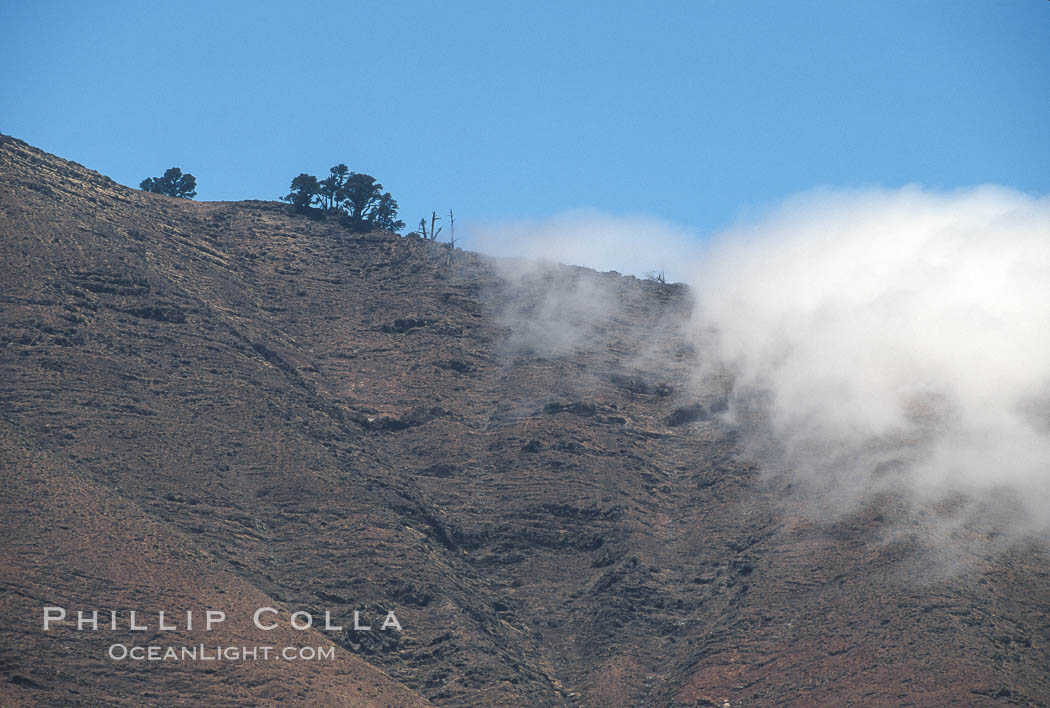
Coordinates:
<point>893,342</point>
<point>633,245</point>
<point>883,346</point>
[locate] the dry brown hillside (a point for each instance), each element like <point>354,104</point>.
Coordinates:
<point>227,405</point>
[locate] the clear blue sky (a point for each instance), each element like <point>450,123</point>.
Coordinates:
<point>686,111</point>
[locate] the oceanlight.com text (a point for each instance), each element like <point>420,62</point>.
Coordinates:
<point>203,652</point>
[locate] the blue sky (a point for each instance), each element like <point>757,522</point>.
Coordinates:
<point>690,112</point>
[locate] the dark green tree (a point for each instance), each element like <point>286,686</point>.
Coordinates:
<point>327,191</point>
<point>360,196</point>
<point>305,191</point>
<point>385,214</point>
<point>174,184</point>
<point>332,184</point>
<point>357,196</point>
<point>341,173</point>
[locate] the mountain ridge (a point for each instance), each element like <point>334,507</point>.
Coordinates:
<point>521,462</point>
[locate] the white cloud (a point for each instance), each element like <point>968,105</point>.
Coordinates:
<point>899,341</point>
<point>881,341</point>
<point>632,245</point>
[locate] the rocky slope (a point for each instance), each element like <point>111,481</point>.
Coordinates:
<point>226,405</point>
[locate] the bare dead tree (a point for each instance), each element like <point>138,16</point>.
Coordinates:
<point>432,233</point>
<point>451,238</point>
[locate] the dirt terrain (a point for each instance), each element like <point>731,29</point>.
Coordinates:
<point>229,405</point>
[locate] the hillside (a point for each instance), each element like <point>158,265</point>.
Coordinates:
<point>226,405</point>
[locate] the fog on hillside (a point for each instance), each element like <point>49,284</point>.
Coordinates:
<point>882,344</point>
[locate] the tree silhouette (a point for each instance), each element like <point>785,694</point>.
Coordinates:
<point>385,214</point>
<point>174,184</point>
<point>331,186</point>
<point>327,190</point>
<point>305,190</point>
<point>355,195</point>
<point>360,196</point>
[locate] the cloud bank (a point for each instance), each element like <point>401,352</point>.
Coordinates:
<point>893,342</point>
<point>881,343</point>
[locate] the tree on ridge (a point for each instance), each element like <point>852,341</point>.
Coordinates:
<point>174,184</point>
